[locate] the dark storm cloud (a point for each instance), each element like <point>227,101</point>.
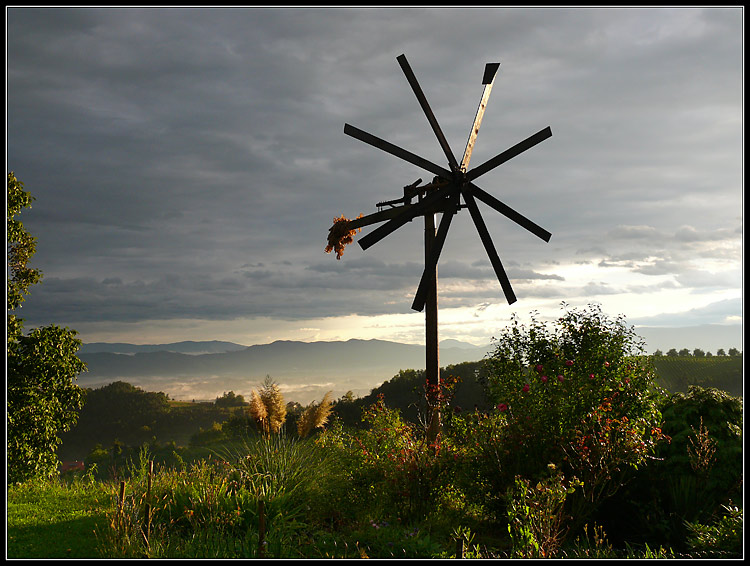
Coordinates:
<point>187,163</point>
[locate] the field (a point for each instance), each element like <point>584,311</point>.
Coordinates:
<point>677,373</point>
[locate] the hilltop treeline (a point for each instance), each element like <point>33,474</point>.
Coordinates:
<point>120,414</point>
<point>698,353</point>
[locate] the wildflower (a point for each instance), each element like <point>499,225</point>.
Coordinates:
<point>568,363</point>
<point>560,378</point>
<point>502,407</point>
<point>526,388</point>
<point>606,364</point>
<point>591,376</point>
<point>539,368</point>
<point>544,379</point>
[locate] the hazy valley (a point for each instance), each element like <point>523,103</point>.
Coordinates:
<point>304,370</point>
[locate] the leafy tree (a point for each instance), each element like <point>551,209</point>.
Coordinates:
<point>721,352</point>
<point>42,398</point>
<point>733,352</point>
<point>684,352</point>
<point>230,400</point>
<point>698,353</point>
<point>672,352</point>
<point>21,246</point>
<point>658,353</point>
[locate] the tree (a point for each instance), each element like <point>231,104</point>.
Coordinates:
<point>658,353</point>
<point>42,398</point>
<point>21,246</point>
<point>733,352</point>
<point>672,353</point>
<point>698,353</point>
<point>684,353</point>
<point>721,352</point>
<point>230,400</point>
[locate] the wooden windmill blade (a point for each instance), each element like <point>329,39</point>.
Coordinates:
<point>427,110</point>
<point>394,150</point>
<point>507,211</point>
<point>509,153</point>
<point>489,247</point>
<point>490,70</point>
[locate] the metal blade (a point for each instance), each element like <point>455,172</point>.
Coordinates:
<point>504,209</point>
<point>395,150</point>
<point>489,76</point>
<point>412,211</point>
<point>431,263</point>
<point>427,110</point>
<point>510,153</point>
<point>484,235</point>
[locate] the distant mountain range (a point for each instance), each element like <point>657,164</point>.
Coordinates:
<point>189,347</point>
<point>305,371</point>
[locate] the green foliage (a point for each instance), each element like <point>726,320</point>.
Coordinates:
<point>42,398</point>
<point>230,400</point>
<point>717,411</point>
<point>713,481</point>
<point>536,515</point>
<point>120,411</point>
<point>721,539</point>
<point>576,395</point>
<point>21,247</point>
<point>691,477</point>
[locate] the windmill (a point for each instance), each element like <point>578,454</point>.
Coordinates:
<point>443,195</point>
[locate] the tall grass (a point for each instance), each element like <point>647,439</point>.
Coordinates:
<point>212,509</point>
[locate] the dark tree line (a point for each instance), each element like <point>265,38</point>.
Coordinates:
<point>698,353</point>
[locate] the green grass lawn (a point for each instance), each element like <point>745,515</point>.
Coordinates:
<point>52,520</point>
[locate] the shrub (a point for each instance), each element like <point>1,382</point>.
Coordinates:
<point>537,521</point>
<point>578,394</point>
<point>690,478</point>
<point>721,539</point>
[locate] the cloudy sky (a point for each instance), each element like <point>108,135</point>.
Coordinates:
<point>187,164</point>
